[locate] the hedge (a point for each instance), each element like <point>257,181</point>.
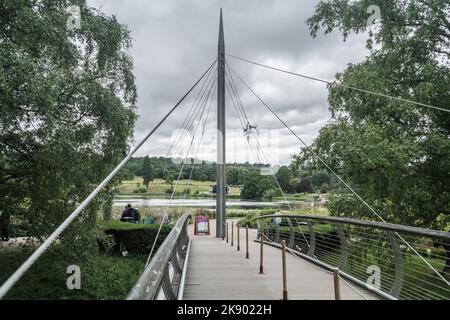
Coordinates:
<point>134,238</point>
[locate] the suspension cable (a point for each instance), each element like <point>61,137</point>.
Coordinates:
<point>199,146</point>
<point>179,177</point>
<point>258,146</point>
<point>338,176</point>
<point>343,85</point>
<point>9,283</point>
<point>189,119</point>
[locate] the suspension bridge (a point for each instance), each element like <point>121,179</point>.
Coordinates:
<point>288,256</point>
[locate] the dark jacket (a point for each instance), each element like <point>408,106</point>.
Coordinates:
<point>132,213</point>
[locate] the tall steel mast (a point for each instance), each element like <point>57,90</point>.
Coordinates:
<point>220,189</point>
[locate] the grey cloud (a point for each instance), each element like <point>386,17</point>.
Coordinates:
<point>175,41</point>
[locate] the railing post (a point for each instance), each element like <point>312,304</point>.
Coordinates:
<point>232,233</point>
<point>277,232</point>
<point>261,250</point>
<point>227,232</point>
<point>337,288</point>
<point>283,257</point>
<point>238,241</point>
<point>291,243</point>
<point>166,285</point>
<point>246,243</point>
<point>398,261</point>
<point>312,240</point>
<point>343,246</point>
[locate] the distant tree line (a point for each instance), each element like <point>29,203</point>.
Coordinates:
<point>168,169</point>
<point>289,178</point>
<point>248,176</point>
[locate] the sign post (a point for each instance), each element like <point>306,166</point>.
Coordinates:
<point>201,225</point>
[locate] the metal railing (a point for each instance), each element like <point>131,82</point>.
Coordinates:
<point>370,254</point>
<point>162,278</point>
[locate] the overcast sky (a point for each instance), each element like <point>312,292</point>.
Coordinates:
<point>174,41</point>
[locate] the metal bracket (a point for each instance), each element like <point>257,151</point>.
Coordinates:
<point>291,243</point>
<point>166,285</point>
<point>398,261</point>
<point>277,232</point>
<point>312,239</point>
<point>343,246</point>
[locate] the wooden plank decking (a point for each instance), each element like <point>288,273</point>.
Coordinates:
<point>217,271</point>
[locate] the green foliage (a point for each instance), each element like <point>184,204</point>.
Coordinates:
<point>284,177</point>
<point>303,185</point>
<point>166,169</point>
<point>147,171</point>
<point>250,219</point>
<point>319,178</point>
<point>136,238</point>
<point>103,276</point>
<point>140,190</point>
<point>271,193</point>
<point>396,155</point>
<point>67,101</point>
<point>255,186</point>
<point>324,188</point>
<point>236,175</point>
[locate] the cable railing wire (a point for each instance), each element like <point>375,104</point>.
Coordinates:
<point>336,175</point>
<point>179,174</point>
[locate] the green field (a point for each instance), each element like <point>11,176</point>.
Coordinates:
<point>159,186</point>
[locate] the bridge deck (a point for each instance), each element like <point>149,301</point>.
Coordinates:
<point>217,271</point>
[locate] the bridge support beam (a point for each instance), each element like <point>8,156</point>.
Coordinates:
<point>220,189</point>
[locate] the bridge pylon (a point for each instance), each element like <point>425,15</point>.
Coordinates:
<point>221,158</point>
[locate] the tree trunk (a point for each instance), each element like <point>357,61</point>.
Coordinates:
<point>107,209</point>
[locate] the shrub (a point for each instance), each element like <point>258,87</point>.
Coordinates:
<point>103,276</point>
<point>204,212</point>
<point>250,220</point>
<point>270,194</point>
<point>140,190</point>
<point>137,238</point>
<point>324,188</point>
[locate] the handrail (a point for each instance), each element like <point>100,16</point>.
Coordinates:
<point>368,253</point>
<point>370,224</point>
<point>161,279</point>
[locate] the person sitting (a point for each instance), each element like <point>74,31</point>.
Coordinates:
<point>130,214</point>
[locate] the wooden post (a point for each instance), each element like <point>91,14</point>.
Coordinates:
<point>246,243</point>
<point>261,252</point>
<point>283,257</point>
<point>227,232</point>
<point>232,233</point>
<point>337,288</point>
<point>238,241</point>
